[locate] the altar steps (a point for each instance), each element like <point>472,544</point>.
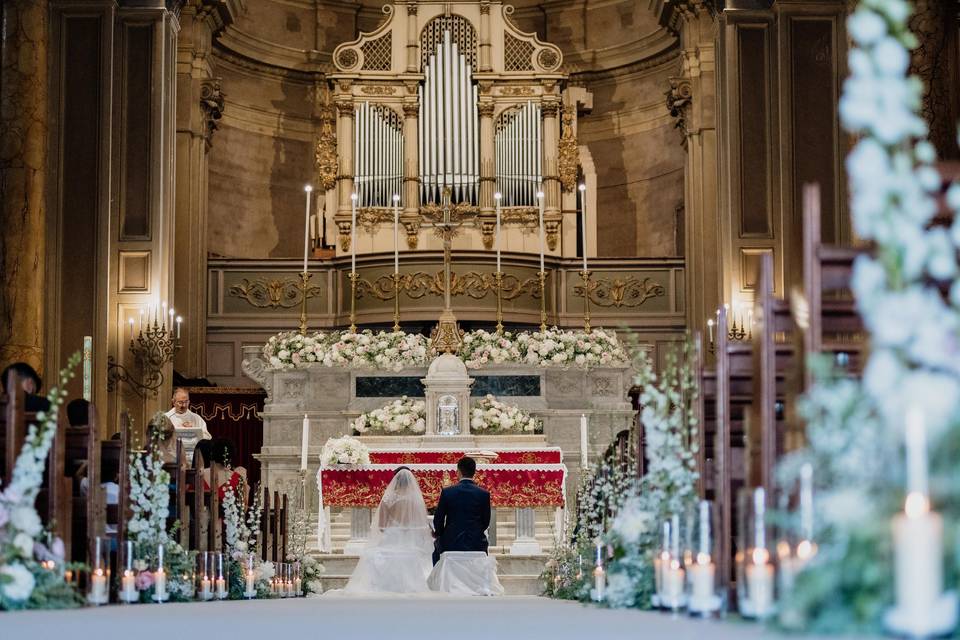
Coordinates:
<point>519,574</point>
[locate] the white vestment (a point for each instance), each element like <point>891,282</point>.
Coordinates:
<point>183,431</point>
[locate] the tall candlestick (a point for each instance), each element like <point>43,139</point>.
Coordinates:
<point>540,198</point>
<point>584,442</point>
<point>306,228</point>
<point>496,199</point>
<point>304,443</point>
<point>396,235</point>
<point>353,233</point>
<point>583,218</point>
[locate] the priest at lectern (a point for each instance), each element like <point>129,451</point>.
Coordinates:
<point>189,427</point>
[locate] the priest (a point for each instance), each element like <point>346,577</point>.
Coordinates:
<point>189,427</point>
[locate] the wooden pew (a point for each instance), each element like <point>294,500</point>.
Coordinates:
<point>266,537</point>
<point>194,477</point>
<point>83,460</point>
<point>178,493</point>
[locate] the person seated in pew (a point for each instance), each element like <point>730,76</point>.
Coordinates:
<point>78,412</point>
<point>109,477</point>
<point>31,385</point>
<point>218,454</point>
<point>162,434</point>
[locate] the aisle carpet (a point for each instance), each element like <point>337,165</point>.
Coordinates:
<point>524,618</point>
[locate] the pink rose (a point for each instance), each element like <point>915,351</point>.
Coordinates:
<point>144,580</point>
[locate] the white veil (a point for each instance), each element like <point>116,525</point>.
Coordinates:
<point>397,556</point>
<point>401,519</point>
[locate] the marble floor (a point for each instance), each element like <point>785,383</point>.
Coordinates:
<point>380,619</point>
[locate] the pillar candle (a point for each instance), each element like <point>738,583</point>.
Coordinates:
<point>128,587</point>
<point>98,588</point>
<point>221,588</point>
<point>496,199</point>
<point>206,588</point>
<point>540,197</point>
<point>353,233</point>
<point>583,218</point>
<point>396,234</point>
<point>673,581</point>
<point>584,441</point>
<point>306,228</point>
<point>702,574</point>
<point>251,590</point>
<point>304,443</point>
<point>160,585</point>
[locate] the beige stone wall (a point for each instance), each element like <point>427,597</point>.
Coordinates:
<point>268,58</point>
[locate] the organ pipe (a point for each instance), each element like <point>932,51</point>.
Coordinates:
<point>517,149</point>
<point>378,153</point>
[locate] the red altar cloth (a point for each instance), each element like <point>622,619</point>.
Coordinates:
<point>504,456</point>
<point>511,486</point>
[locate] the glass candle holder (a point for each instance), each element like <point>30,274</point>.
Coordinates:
<point>702,597</point>
<point>660,561</point>
<point>250,582</point>
<point>297,579</point>
<point>279,589</point>
<point>160,577</point>
<point>673,574</point>
<point>98,592</point>
<point>188,582</point>
<point>221,584</point>
<point>206,574</point>
<point>129,593</point>
<point>755,571</point>
<point>599,591</point>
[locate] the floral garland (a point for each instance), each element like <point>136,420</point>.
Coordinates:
<point>242,539</point>
<point>389,351</point>
<point>344,450</point>
<point>400,416</point>
<point>31,565</point>
<point>491,415</point>
<point>311,570</point>
<point>395,351</point>
<point>908,294</point>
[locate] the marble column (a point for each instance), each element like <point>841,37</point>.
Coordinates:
<point>344,105</point>
<point>487,168</point>
<point>23,145</point>
<point>526,543</point>
<point>359,531</point>
<point>411,163</point>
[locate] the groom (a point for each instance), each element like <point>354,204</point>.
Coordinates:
<point>463,514</point>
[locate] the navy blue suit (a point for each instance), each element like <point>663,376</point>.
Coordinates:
<point>461,519</point>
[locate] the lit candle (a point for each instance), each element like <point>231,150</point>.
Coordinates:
<point>599,575</point>
<point>540,198</point>
<point>396,233</point>
<point>584,442</point>
<point>140,325</point>
<point>221,588</point>
<point>496,199</point>
<point>673,581</point>
<point>206,588</point>
<point>760,583</point>
<point>306,228</point>
<point>179,320</point>
<point>297,587</point>
<point>98,588</point>
<point>172,316</point>
<point>304,443</point>
<point>251,586</point>
<point>131,328</point>
<point>702,574</point>
<point>583,218</point>
<point>353,233</point>
<point>917,534</point>
<point>163,312</point>
<point>160,585</point>
<point>128,587</point>
<point>710,329</point>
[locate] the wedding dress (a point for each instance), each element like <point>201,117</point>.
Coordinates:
<point>397,556</point>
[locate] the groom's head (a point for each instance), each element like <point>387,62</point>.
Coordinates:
<point>466,467</point>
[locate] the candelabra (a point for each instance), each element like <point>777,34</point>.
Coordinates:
<point>498,280</point>
<point>585,274</point>
<point>304,288</point>
<point>396,302</point>
<point>353,302</point>
<point>543,301</point>
<point>738,332</point>
<point>153,348</point>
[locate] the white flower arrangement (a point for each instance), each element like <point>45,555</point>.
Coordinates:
<point>344,451</point>
<point>395,351</point>
<point>24,580</point>
<point>403,415</point>
<point>489,414</point>
<point>388,351</point>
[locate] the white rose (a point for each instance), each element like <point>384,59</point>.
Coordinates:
<point>19,582</point>
<point>25,519</point>
<point>23,544</point>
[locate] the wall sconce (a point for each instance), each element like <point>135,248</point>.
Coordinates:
<point>154,346</point>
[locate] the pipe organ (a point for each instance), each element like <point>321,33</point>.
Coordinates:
<point>453,95</point>
<point>448,143</point>
<point>518,143</point>
<point>378,148</point>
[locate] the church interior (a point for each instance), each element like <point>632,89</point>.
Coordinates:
<point>682,277</point>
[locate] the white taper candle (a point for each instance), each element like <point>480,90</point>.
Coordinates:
<point>304,443</point>
<point>583,218</point>
<point>353,233</point>
<point>306,228</point>
<point>496,199</point>
<point>540,198</point>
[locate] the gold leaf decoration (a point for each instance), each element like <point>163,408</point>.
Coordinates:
<point>628,292</point>
<point>272,294</point>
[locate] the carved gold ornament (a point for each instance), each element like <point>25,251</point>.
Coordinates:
<point>569,154</point>
<point>473,284</point>
<point>326,153</point>
<point>616,292</point>
<point>378,90</point>
<point>517,91</point>
<point>272,294</point>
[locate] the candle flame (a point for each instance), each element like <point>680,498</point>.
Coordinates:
<point>760,556</point>
<point>674,564</point>
<point>916,505</point>
<point>806,550</point>
<point>703,558</point>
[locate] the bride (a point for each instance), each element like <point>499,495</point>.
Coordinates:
<point>397,557</point>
